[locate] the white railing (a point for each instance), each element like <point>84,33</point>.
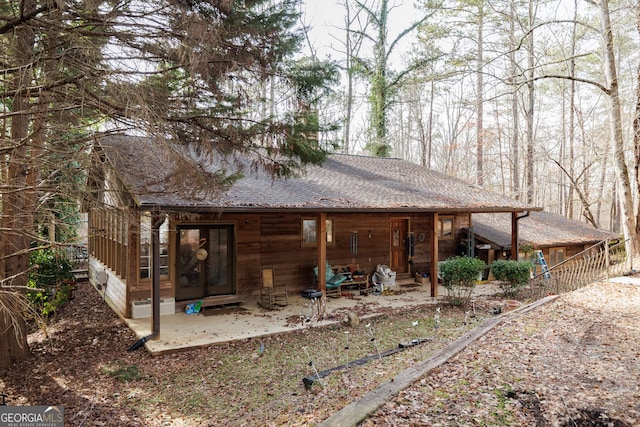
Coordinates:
<point>596,263</point>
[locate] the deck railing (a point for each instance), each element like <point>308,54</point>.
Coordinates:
<point>598,262</point>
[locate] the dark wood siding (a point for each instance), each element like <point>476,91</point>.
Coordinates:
<point>275,239</point>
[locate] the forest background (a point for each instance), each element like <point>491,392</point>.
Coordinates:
<point>511,95</point>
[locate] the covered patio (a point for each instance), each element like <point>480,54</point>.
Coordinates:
<point>181,331</point>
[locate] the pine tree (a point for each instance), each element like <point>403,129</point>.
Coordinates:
<point>184,72</point>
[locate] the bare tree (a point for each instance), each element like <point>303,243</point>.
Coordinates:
<point>480,97</point>
<point>622,173</point>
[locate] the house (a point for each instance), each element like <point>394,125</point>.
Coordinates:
<point>556,236</point>
<point>353,209</point>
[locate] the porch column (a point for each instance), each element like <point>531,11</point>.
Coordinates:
<point>321,238</point>
<point>514,236</point>
<point>434,257</point>
<point>157,221</point>
<point>132,270</point>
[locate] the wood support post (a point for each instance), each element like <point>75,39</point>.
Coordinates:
<point>321,237</point>
<point>434,257</point>
<point>514,236</point>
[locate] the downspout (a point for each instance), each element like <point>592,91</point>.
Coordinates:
<point>155,288</point>
<point>515,239</point>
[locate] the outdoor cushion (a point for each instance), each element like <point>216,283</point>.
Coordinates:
<point>332,280</point>
<point>336,280</point>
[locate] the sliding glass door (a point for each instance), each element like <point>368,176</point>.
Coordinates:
<point>205,261</point>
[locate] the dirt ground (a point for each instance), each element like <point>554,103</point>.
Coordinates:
<point>572,362</point>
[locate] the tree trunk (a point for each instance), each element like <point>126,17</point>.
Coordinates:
<point>480,100</point>
<point>13,330</point>
<point>379,86</point>
<point>346,147</point>
<point>636,128</point>
<point>17,221</point>
<point>572,108</point>
<point>622,173</point>
<point>515,136</point>
<point>531,104</point>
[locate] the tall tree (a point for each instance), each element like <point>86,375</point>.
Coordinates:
<point>383,82</point>
<point>184,73</point>
<point>530,104</point>
<point>620,163</point>
<point>515,116</point>
<point>480,97</point>
<point>354,28</point>
<point>636,126</point>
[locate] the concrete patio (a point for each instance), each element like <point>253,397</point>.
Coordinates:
<point>180,330</point>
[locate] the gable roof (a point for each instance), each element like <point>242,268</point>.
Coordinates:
<point>539,228</point>
<point>343,182</point>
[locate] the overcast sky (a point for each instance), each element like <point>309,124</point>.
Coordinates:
<point>326,18</point>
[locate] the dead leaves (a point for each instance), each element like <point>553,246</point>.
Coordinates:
<point>572,362</point>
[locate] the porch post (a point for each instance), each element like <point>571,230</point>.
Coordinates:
<point>132,269</point>
<point>514,236</point>
<point>321,238</point>
<point>434,256</point>
<point>157,221</point>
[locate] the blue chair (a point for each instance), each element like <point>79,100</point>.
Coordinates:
<point>333,281</point>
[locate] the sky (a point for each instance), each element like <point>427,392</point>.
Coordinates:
<point>326,18</point>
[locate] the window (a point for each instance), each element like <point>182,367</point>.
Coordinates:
<point>330,232</point>
<point>310,232</point>
<point>145,248</point>
<point>445,227</point>
<point>556,256</point>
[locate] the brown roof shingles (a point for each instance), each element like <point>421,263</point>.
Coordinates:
<point>539,228</point>
<point>343,182</point>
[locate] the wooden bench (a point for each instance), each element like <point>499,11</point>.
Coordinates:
<point>359,282</point>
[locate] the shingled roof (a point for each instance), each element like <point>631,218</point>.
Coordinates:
<point>343,182</point>
<point>539,228</point>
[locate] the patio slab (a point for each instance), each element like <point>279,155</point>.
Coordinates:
<point>181,331</point>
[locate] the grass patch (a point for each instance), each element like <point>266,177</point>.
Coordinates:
<point>262,378</point>
<point>124,374</point>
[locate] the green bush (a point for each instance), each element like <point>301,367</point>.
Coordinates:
<point>459,274</point>
<point>49,279</point>
<point>513,275</point>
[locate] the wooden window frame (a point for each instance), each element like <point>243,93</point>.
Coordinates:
<point>441,220</point>
<point>145,228</point>
<point>553,255</point>
<point>309,240</point>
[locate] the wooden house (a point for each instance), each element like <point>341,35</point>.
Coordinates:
<point>558,237</point>
<point>353,209</point>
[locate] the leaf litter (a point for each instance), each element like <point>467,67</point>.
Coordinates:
<point>572,362</point>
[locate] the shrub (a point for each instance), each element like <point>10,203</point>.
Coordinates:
<point>49,278</point>
<point>459,275</point>
<point>513,275</point>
